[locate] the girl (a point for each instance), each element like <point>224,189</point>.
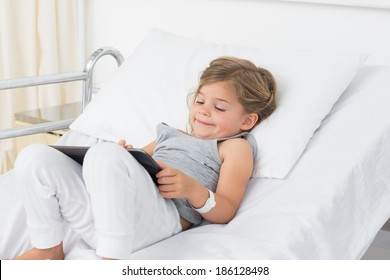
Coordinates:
<point>113,203</point>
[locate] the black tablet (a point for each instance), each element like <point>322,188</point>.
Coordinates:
<point>77,153</point>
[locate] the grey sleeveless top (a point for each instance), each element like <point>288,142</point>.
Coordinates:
<point>198,158</point>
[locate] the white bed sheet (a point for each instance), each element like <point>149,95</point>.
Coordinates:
<point>330,206</point>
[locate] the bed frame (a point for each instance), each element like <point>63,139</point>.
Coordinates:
<point>86,75</point>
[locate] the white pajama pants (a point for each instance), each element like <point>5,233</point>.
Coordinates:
<point>111,201</point>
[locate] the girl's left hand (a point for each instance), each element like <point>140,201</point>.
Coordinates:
<point>173,183</point>
<point>122,143</point>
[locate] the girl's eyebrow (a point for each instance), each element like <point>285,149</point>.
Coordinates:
<point>218,99</point>
<point>223,100</point>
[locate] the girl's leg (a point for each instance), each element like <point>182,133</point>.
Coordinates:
<point>14,238</point>
<point>53,191</point>
<point>128,210</point>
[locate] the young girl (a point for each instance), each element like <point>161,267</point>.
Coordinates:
<point>113,203</point>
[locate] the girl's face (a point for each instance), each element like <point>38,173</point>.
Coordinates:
<point>217,112</point>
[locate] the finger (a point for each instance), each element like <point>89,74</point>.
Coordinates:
<point>162,164</point>
<point>166,188</point>
<point>165,180</point>
<point>168,194</point>
<point>168,191</point>
<point>166,171</point>
<point>122,142</point>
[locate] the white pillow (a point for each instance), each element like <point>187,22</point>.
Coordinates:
<point>152,85</point>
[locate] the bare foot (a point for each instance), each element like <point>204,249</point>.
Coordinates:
<point>54,253</point>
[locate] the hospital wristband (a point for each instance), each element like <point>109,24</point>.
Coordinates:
<point>210,203</point>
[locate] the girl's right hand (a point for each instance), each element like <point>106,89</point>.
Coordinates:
<point>122,143</point>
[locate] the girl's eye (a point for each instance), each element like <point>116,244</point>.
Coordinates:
<point>220,109</point>
<point>199,102</point>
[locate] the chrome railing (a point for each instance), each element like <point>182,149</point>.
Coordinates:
<point>86,76</point>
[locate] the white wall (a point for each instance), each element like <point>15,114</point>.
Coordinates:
<point>123,24</point>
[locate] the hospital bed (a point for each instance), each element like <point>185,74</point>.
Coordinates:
<point>321,186</point>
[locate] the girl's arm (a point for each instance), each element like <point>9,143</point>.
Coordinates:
<point>150,148</point>
<point>236,170</point>
<point>235,173</point>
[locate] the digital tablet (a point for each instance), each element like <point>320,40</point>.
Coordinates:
<point>77,153</point>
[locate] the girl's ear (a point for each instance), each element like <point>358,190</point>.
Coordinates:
<point>249,121</point>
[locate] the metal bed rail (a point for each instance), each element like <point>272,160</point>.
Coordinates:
<point>86,76</point>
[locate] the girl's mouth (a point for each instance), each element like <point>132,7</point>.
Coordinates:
<point>202,122</point>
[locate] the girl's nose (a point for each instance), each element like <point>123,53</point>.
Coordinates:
<point>204,111</point>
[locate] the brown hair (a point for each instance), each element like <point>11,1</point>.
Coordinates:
<point>255,86</point>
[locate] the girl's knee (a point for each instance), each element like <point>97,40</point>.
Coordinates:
<point>102,155</point>
<point>32,155</point>
<point>106,160</point>
<point>38,157</point>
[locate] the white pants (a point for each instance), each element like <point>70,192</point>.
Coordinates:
<point>111,201</point>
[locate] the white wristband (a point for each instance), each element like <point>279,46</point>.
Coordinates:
<point>210,203</point>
